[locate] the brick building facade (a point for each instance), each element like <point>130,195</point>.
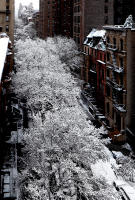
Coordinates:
<point>90,14</point>
<point>120,96</point>
<point>93,71</point>
<point>66,18</point>
<point>49,18</point>
<point>7,17</point>
<point>109,72</point>
<point>56,18</point>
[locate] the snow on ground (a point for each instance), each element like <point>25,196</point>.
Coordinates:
<point>127,146</point>
<point>106,169</point>
<point>125,189</point>
<point>86,109</point>
<point>118,154</point>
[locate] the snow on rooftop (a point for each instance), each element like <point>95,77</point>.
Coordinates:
<point>96,33</point>
<point>99,33</point>
<point>101,62</point>
<point>92,33</point>
<point>127,189</point>
<point>3,52</point>
<point>129,23</point>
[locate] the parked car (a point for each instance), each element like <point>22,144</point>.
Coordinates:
<point>126,191</point>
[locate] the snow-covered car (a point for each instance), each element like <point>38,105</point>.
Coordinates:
<point>126,191</point>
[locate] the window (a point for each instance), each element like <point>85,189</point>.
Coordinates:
<point>108,73</point>
<point>121,44</point>
<point>121,79</point>
<point>7,28</point>
<point>114,42</point>
<point>108,39</point>
<point>108,56</point>
<point>7,18</point>
<point>92,52</point>
<point>88,50</point>
<point>106,19</point>
<point>100,56</point>
<point>102,74</point>
<point>106,9</point>
<point>107,108</point>
<point>0,29</point>
<point>121,62</point>
<point>108,91</point>
<point>7,7</point>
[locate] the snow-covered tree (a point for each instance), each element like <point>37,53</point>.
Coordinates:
<point>58,161</point>
<point>25,12</point>
<point>60,144</point>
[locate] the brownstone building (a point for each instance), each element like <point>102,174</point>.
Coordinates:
<point>56,18</point>
<point>109,70</point>
<point>93,73</point>
<point>120,61</point>
<point>7,17</point>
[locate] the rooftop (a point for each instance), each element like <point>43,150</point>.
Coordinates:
<point>96,39</point>
<point>129,24</point>
<point>4,40</point>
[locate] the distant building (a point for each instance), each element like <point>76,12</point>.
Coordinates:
<point>7,17</point>
<point>56,18</point>
<point>35,20</point>
<point>49,18</point>
<point>66,18</point>
<point>25,13</point>
<point>90,14</point>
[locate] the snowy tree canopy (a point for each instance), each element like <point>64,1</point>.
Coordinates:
<point>60,144</point>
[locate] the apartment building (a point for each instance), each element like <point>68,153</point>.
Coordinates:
<point>120,62</point>
<point>56,18</point>
<point>108,75</point>
<point>93,74</point>
<point>88,14</point>
<point>7,17</point>
<point>66,18</point>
